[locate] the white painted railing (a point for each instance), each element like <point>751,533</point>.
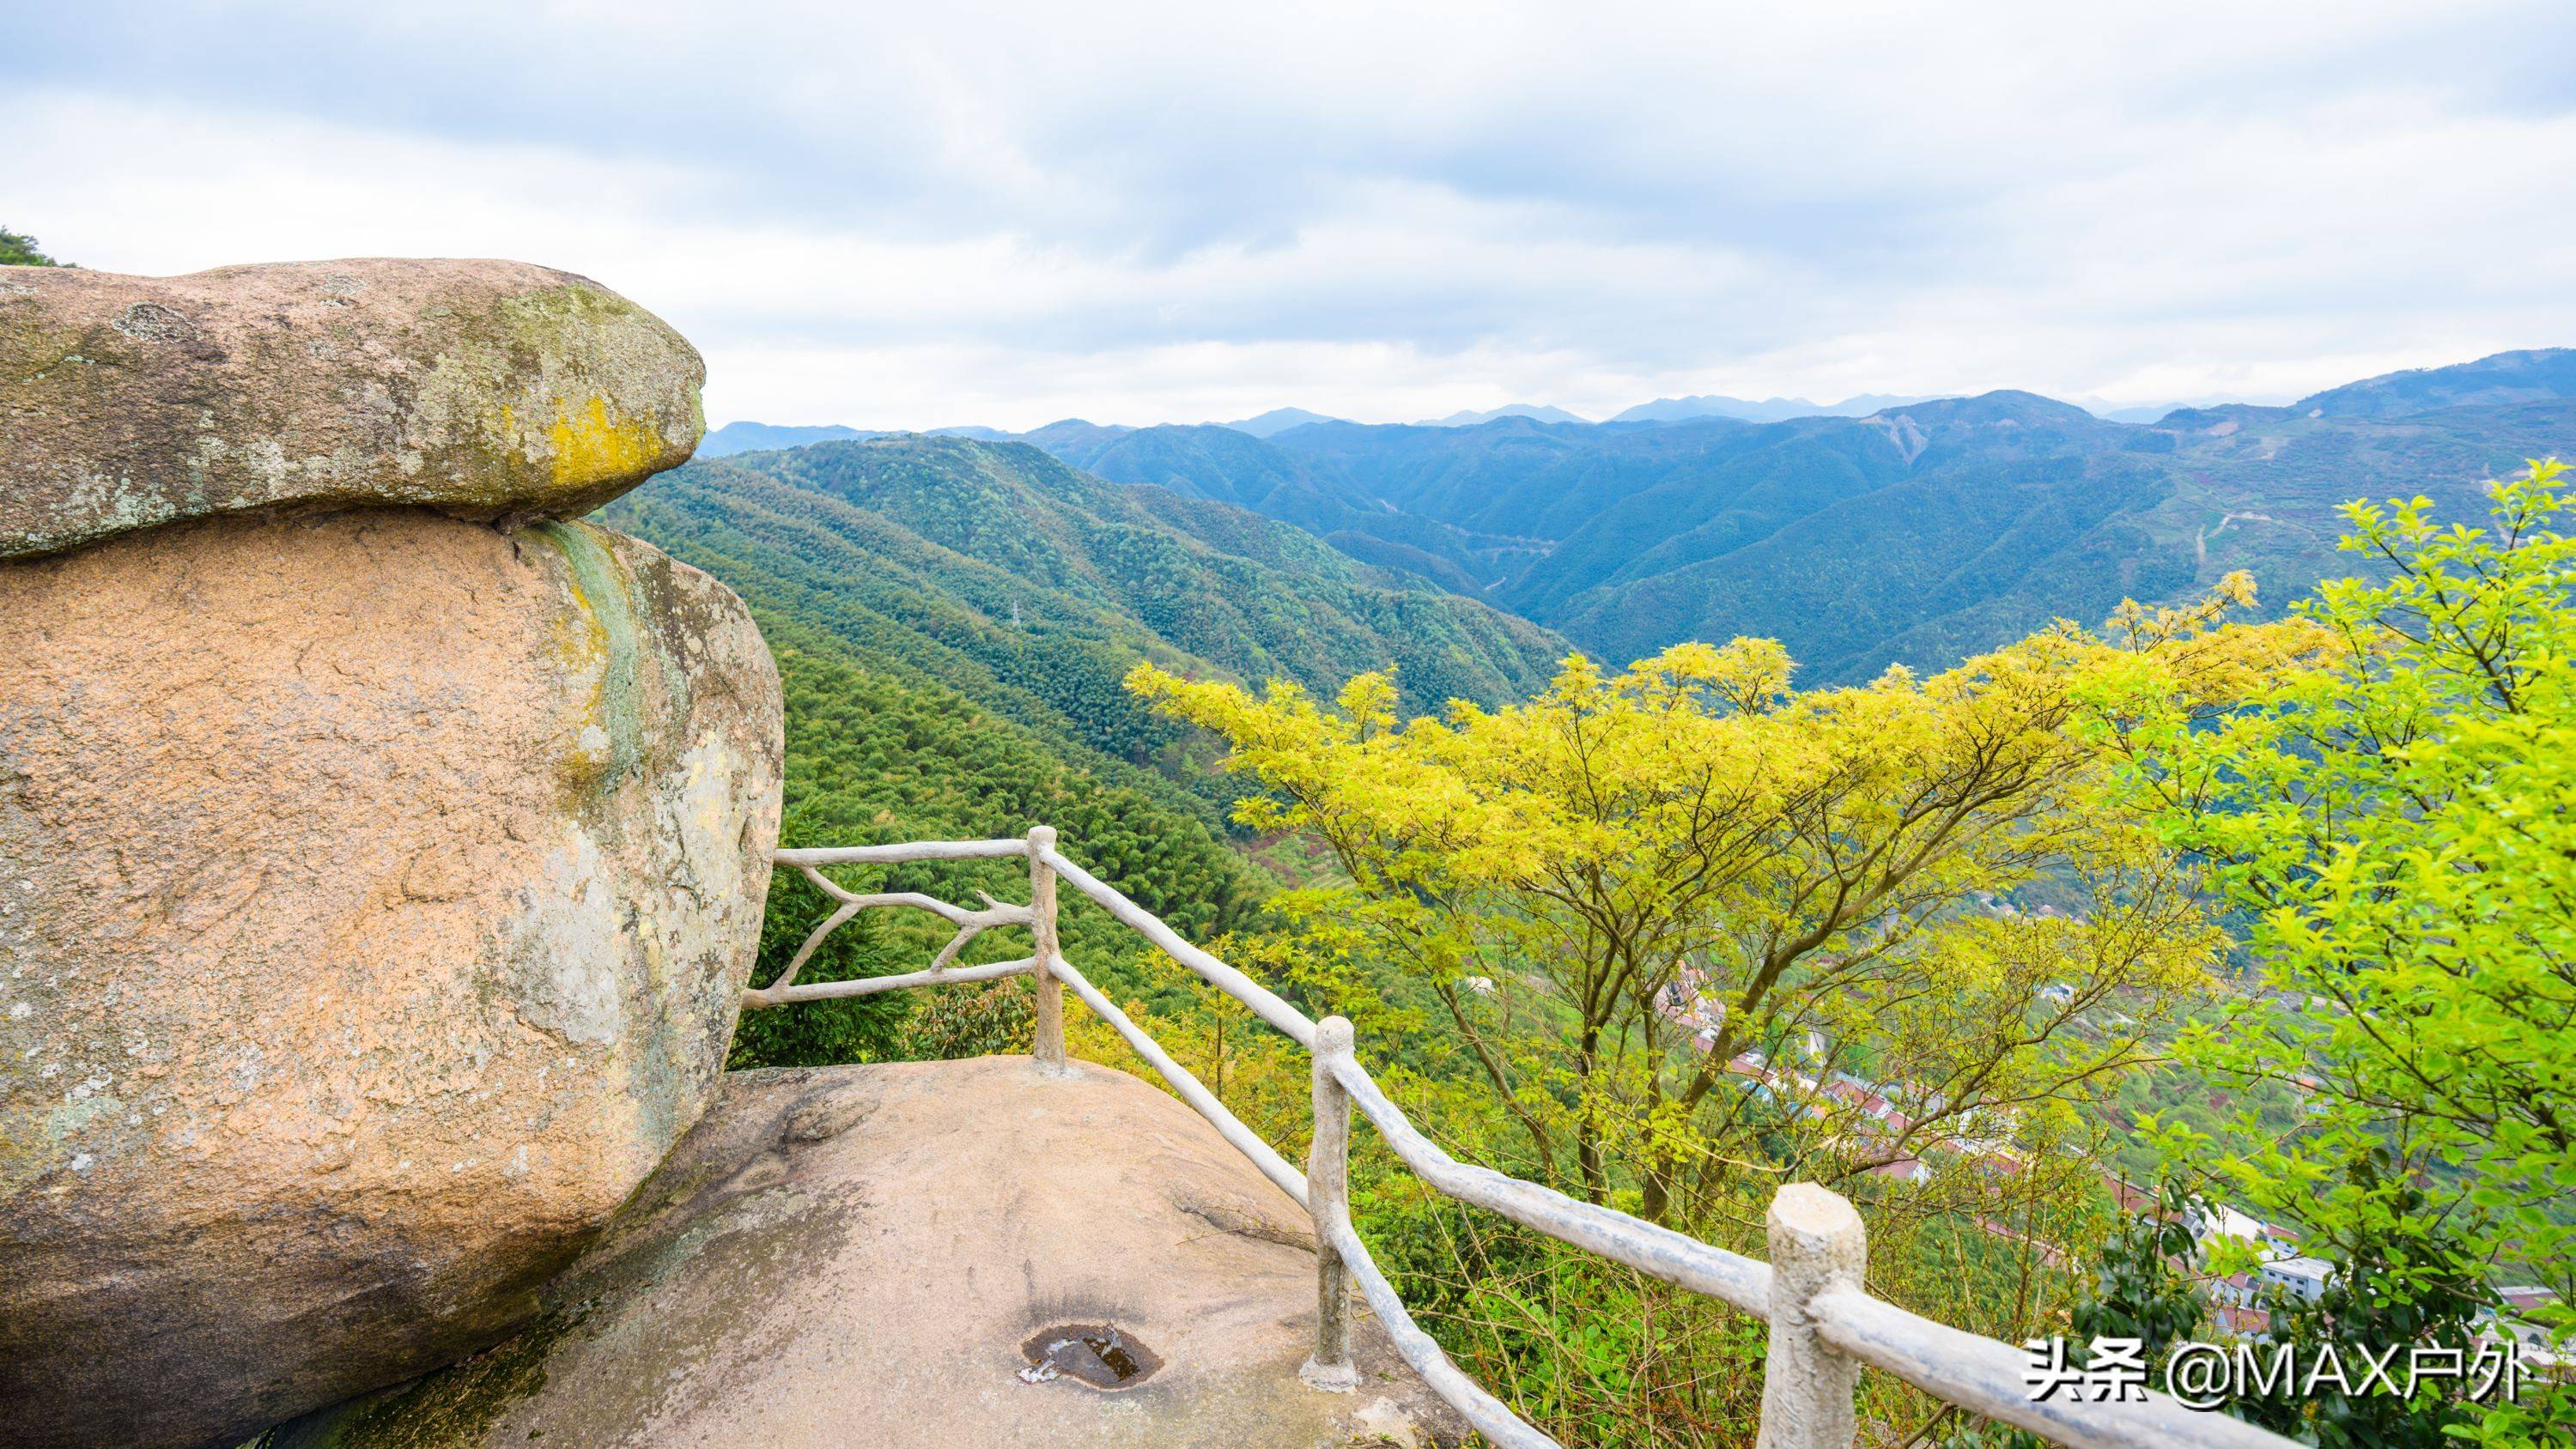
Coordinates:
<point>1824,1324</point>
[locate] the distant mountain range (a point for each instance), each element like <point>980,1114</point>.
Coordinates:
<point>769,437</point>
<point>762,437</point>
<point>747,437</point>
<point>1913,534</point>
<point>1861,405</point>
<point>1278,420</point>
<point>1530,411</point>
<point>1772,410</point>
<point>2506,378</point>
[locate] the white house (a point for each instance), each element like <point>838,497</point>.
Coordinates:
<point>2303,1278</point>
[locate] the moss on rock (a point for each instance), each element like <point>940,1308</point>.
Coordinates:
<point>484,389</point>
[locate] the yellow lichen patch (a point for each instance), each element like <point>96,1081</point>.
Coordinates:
<point>590,446</point>
<point>582,647</point>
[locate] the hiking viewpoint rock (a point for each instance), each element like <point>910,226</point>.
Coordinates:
<point>382,849</point>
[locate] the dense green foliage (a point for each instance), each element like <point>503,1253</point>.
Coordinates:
<point>2405,1276</point>
<point>2397,828</point>
<point>17,250</point>
<point>2398,831</point>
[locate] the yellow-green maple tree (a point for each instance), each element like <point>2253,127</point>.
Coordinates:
<point>1618,886</point>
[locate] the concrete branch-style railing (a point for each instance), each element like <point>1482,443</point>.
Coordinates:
<point>1824,1324</point>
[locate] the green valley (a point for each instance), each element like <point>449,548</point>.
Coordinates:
<point>1914,535</point>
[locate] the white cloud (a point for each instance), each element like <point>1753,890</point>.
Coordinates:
<point>1146,212</point>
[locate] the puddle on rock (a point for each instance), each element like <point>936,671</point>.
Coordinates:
<point>1098,1354</point>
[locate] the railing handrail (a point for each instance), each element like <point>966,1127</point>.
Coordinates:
<point>1245,1140</point>
<point>1824,1323</point>
<point>1677,1258</point>
<point>902,852</point>
<point>1294,1024</point>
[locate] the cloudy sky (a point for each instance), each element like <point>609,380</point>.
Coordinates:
<point>932,213</point>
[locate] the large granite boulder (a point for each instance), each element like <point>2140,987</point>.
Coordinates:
<point>484,389</point>
<point>897,1256</point>
<point>375,892</point>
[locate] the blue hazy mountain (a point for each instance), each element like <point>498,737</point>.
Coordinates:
<point>1533,412</point>
<point>2113,412</point>
<point>2543,375</point>
<point>766,437</point>
<point>1781,409</point>
<point>1277,420</point>
<point>746,437</point>
<point>1770,410</point>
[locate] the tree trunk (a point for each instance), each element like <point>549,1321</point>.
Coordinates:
<point>1587,1137</point>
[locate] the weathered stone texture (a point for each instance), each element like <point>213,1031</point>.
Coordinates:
<point>484,389</point>
<point>375,889</point>
<point>856,1255</point>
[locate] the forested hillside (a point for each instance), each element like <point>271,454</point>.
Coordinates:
<point>952,620</point>
<point>997,578</point>
<point>1230,466</point>
<point>1915,535</point>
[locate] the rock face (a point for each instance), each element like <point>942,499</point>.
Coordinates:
<point>375,886</point>
<point>379,888</point>
<point>483,389</point>
<point>865,1255</point>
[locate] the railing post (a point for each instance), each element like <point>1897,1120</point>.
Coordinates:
<point>1047,1044</point>
<point>1817,1244</point>
<point>1328,1202</point>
